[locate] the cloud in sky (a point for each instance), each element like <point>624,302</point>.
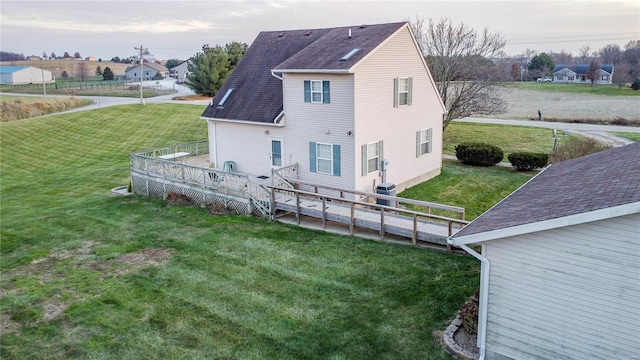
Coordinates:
<point>178,29</point>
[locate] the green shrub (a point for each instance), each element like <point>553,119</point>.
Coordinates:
<point>527,161</point>
<point>479,154</point>
<point>636,84</point>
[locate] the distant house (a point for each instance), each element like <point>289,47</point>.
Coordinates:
<point>34,58</point>
<point>180,71</point>
<point>149,71</point>
<point>560,274</point>
<point>91,58</point>
<point>578,74</point>
<point>352,106</point>
<point>17,75</point>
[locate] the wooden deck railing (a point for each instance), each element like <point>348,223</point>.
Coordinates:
<point>355,204</point>
<point>342,194</point>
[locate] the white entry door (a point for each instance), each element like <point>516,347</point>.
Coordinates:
<point>276,153</point>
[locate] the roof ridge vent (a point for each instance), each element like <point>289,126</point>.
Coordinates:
<point>363,26</point>
<point>281,34</point>
<point>307,33</point>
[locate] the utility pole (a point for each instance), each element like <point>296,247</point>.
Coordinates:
<point>44,87</point>
<point>141,71</point>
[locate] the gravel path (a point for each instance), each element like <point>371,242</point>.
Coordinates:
<point>524,104</point>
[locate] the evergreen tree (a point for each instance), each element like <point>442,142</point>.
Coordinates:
<point>52,56</point>
<point>541,65</point>
<point>107,74</point>
<point>99,71</point>
<point>211,67</point>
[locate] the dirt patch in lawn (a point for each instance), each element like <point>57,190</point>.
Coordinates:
<point>52,269</point>
<point>132,262</point>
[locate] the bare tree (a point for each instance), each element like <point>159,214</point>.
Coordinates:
<point>515,71</point>
<point>82,70</point>
<point>460,60</point>
<point>610,54</point>
<point>593,72</point>
<point>584,53</point>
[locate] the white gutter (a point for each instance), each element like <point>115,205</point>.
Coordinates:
<point>273,73</point>
<point>484,296</point>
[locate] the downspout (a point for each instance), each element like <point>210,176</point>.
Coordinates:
<point>484,297</point>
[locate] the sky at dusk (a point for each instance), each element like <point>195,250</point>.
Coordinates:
<point>179,29</point>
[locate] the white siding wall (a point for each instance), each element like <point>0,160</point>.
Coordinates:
<point>326,123</point>
<point>569,293</point>
<point>245,144</point>
<point>377,119</point>
<point>30,75</point>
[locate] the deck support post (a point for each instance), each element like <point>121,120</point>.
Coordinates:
<point>382,223</point>
<point>298,208</point>
<point>324,212</point>
<point>352,219</point>
<point>414,238</point>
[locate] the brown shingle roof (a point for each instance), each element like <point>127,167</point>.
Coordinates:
<point>593,182</point>
<point>257,94</point>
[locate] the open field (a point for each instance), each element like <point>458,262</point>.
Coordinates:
<point>602,90</point>
<point>71,66</point>
<point>567,106</point>
<point>89,276</point>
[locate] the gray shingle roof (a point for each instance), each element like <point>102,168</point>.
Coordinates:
<point>598,181</point>
<point>257,94</point>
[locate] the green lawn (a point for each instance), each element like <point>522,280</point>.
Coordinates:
<point>508,138</point>
<point>607,90</point>
<point>630,136</point>
<point>88,276</point>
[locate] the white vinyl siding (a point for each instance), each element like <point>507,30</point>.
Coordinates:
<point>378,118</point>
<point>568,293</point>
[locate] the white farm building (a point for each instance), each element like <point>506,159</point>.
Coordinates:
<point>17,75</point>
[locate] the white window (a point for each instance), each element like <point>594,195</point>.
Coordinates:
<point>423,142</point>
<point>373,157</point>
<point>403,91</point>
<point>324,158</point>
<point>316,91</point>
<point>372,154</point>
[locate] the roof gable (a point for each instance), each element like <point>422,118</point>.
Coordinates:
<point>588,184</point>
<point>257,95</point>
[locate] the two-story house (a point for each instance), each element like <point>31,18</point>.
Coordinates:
<point>352,106</point>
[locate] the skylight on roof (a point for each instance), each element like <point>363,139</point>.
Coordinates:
<point>349,54</point>
<point>224,98</point>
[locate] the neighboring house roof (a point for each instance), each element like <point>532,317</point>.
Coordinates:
<point>11,69</point>
<point>582,69</point>
<point>567,193</point>
<point>157,67</point>
<point>257,94</point>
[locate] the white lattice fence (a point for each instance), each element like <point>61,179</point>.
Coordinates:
<point>158,188</point>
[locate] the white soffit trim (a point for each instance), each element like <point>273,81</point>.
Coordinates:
<point>591,216</point>
<point>241,122</point>
<point>312,71</point>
